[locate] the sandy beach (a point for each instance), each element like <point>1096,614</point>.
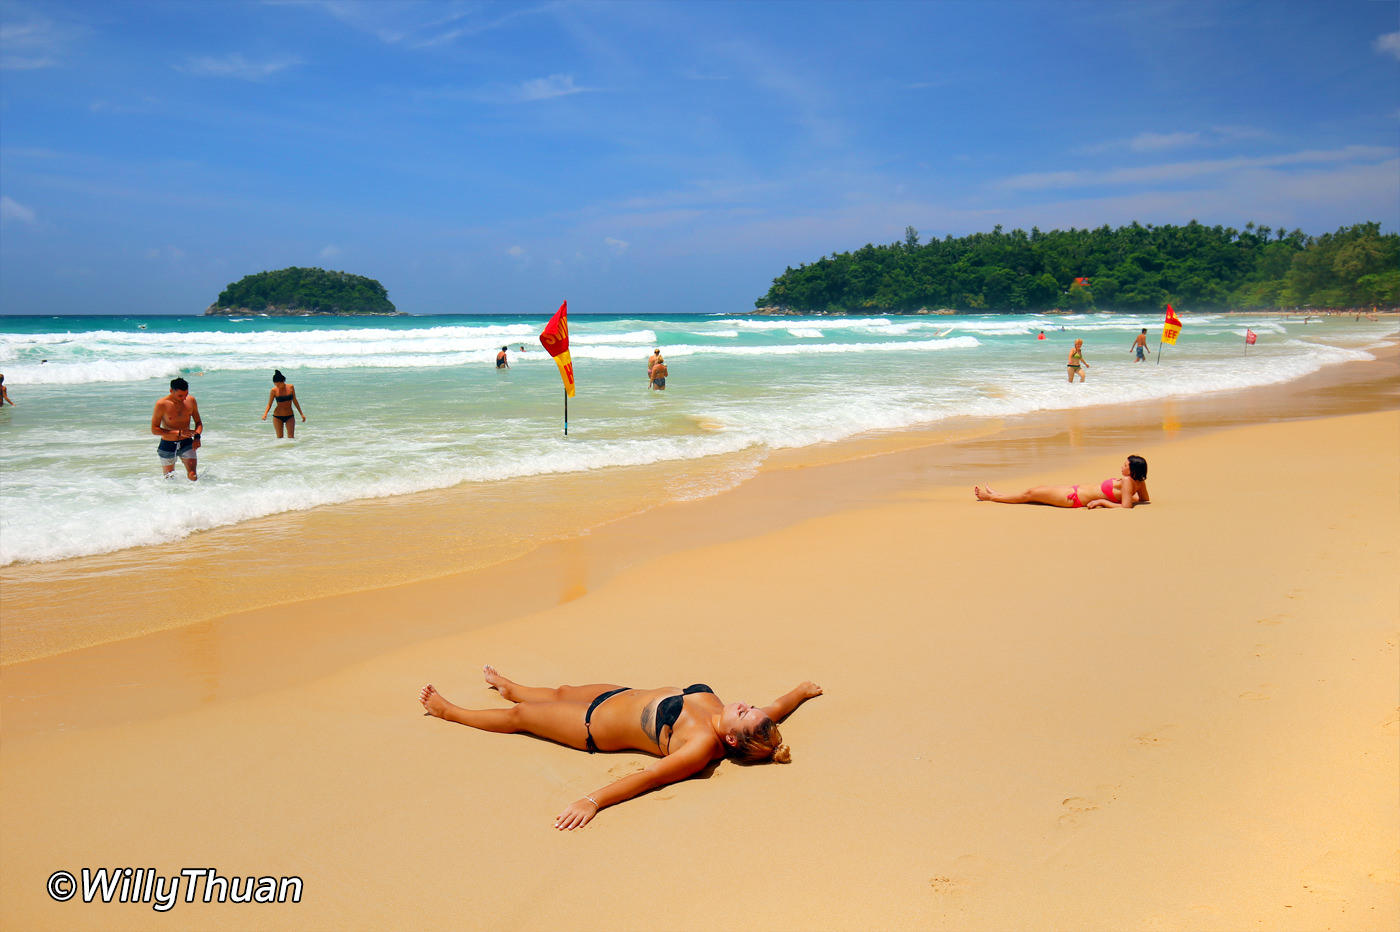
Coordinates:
<point>1185,716</point>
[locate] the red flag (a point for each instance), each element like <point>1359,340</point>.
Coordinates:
<point>1082,282</point>
<point>555,340</point>
<point>1171,328</point>
<point>1250,336</point>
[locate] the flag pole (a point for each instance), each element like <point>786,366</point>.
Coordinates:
<point>1159,352</point>
<point>566,412</point>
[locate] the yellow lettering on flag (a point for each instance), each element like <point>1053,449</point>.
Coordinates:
<point>1171,328</point>
<point>555,340</point>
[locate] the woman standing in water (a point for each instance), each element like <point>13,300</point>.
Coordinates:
<point>688,728</point>
<point>283,396</point>
<point>1077,365</point>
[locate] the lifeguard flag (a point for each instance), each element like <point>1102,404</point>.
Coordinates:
<point>555,340</point>
<point>1171,328</point>
<point>1250,336</point>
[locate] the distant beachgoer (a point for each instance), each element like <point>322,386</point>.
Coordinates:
<point>1140,346</point>
<point>501,361</point>
<point>652,360</point>
<point>171,423</point>
<point>658,375</point>
<point>522,347</point>
<point>1077,365</point>
<point>4,393</point>
<point>1042,335</point>
<point>688,728</point>
<point>1124,492</point>
<point>283,395</point>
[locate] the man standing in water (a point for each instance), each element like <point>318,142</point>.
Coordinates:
<point>1140,346</point>
<point>171,423</point>
<point>658,375</point>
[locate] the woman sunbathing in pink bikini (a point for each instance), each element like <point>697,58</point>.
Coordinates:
<point>1124,492</point>
<point>687,728</point>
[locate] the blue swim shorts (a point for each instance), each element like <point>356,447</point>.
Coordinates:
<point>169,450</point>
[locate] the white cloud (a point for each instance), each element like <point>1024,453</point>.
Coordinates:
<point>172,253</point>
<point>330,252</point>
<point>1389,44</point>
<point>34,42</point>
<point>1180,171</point>
<point>235,65</point>
<point>616,245</point>
<point>13,210</point>
<point>515,251</point>
<point>556,85</point>
<point>1152,142</point>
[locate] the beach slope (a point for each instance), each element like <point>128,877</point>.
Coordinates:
<point>1184,716</point>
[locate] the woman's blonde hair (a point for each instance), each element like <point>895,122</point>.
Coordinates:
<point>761,744</point>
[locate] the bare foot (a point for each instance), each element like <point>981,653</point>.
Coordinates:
<point>432,700</point>
<point>983,495</point>
<point>499,683</point>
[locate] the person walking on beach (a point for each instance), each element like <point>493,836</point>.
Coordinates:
<point>1125,491</point>
<point>171,422</point>
<point>658,375</point>
<point>283,396</point>
<point>501,361</point>
<point>1076,361</point>
<point>4,394</point>
<point>1140,346</point>
<point>687,728</point>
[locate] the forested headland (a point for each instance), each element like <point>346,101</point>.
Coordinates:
<point>1134,267</point>
<point>303,291</point>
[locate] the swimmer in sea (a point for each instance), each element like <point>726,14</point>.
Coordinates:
<point>171,422</point>
<point>283,395</point>
<point>1140,346</point>
<point>1077,365</point>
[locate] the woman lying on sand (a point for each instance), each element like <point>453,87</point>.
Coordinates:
<point>688,727</point>
<point>1124,492</point>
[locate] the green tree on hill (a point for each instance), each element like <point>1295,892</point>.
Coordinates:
<point>311,290</point>
<point>1132,267</point>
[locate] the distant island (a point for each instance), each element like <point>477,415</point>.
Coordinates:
<point>295,292</point>
<point>1134,267</point>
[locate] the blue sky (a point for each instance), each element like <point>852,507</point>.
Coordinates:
<point>652,156</point>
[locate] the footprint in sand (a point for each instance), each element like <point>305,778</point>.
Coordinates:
<point>964,875</point>
<point>1077,808</point>
<point>626,769</point>
<point>1261,696</point>
<point>1156,738</point>
<point>1274,619</point>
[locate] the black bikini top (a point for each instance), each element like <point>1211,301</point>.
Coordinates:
<point>284,399</point>
<point>668,710</point>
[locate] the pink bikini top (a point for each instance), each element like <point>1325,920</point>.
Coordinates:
<point>1107,489</point>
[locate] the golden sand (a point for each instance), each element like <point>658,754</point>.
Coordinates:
<point>1185,716</point>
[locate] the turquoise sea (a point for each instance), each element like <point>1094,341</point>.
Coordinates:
<point>403,405</point>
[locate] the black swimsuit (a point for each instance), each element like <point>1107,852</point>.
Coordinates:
<point>668,710</point>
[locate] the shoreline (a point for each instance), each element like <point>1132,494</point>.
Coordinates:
<point>267,647</point>
<point>1180,717</point>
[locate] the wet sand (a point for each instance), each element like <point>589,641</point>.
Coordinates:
<point>1185,716</point>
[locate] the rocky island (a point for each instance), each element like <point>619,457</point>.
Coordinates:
<point>296,292</point>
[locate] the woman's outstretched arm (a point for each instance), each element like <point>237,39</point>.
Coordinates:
<point>687,761</point>
<point>782,707</point>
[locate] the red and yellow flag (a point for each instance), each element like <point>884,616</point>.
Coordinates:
<point>1171,328</point>
<point>555,340</point>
